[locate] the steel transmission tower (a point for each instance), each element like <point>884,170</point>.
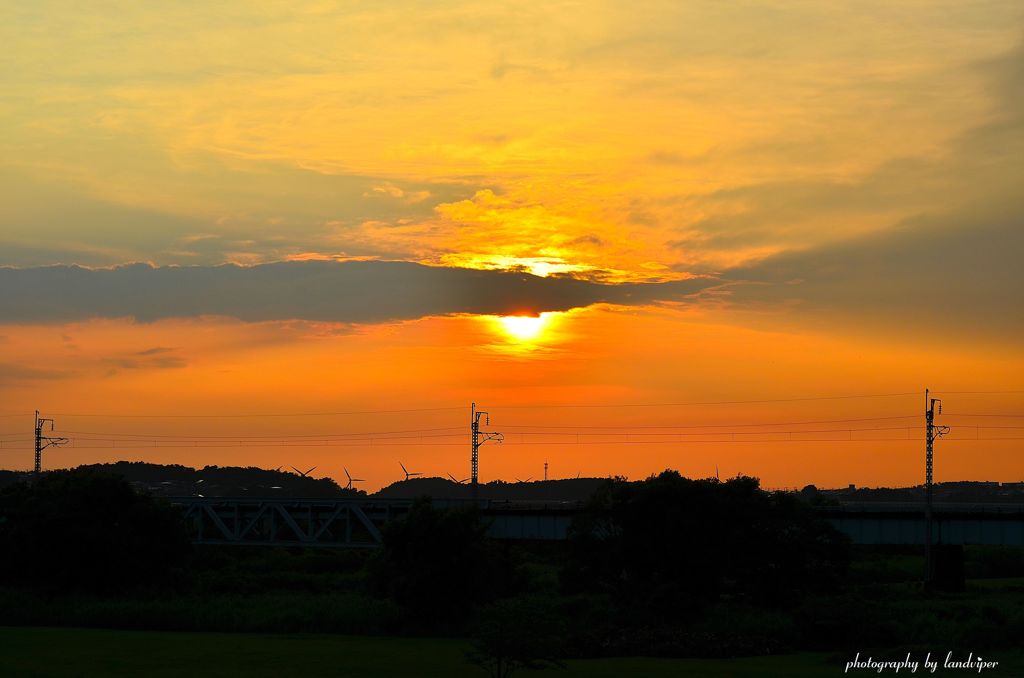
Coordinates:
<point>932,432</point>
<point>42,442</point>
<point>479,438</point>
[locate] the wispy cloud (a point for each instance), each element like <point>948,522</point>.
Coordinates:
<point>20,373</point>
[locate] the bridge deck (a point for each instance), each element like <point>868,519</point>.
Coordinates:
<point>347,523</point>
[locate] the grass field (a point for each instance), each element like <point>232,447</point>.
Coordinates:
<point>60,653</point>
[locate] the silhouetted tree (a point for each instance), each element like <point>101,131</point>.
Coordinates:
<point>174,480</point>
<point>438,562</point>
<point>668,546</point>
<point>83,530</point>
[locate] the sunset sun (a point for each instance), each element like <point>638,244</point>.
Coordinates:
<point>523,327</point>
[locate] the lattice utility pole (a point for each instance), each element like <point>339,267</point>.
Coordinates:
<point>479,438</point>
<point>932,432</point>
<point>42,442</point>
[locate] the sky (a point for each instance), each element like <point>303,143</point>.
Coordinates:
<point>662,234</point>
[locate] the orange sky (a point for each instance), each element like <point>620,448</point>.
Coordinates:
<point>602,355</point>
<point>822,199</point>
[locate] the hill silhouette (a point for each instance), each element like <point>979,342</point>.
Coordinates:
<point>175,480</point>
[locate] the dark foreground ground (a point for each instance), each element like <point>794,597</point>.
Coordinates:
<point>99,580</point>
<point>60,653</point>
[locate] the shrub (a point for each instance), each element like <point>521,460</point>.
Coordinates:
<point>87,531</point>
<point>438,563</point>
<point>669,547</point>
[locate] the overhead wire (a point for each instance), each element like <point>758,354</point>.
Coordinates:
<point>128,436</point>
<point>573,434</point>
<point>666,426</point>
<point>709,402</point>
<point>224,444</point>
<point>218,415</point>
<point>207,415</point>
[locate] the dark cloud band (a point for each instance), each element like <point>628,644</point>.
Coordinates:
<point>351,292</point>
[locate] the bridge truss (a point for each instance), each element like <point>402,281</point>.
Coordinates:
<point>284,522</point>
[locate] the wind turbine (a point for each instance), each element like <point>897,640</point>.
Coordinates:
<point>456,480</point>
<point>306,474</point>
<point>406,471</point>
<point>518,480</point>
<point>351,479</point>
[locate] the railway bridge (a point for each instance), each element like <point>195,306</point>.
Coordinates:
<point>348,523</point>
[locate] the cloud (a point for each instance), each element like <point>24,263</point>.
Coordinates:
<point>20,373</point>
<point>955,274</point>
<point>349,291</point>
<point>163,362</point>
<point>951,269</point>
<point>156,350</point>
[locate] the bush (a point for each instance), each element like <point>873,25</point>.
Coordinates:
<point>86,531</point>
<point>517,633</point>
<point>669,547</point>
<point>438,563</point>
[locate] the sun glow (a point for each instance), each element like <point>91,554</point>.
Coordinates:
<point>523,327</point>
<point>541,267</point>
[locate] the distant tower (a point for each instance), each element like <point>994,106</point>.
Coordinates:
<point>932,432</point>
<point>545,470</point>
<point>42,442</point>
<point>479,438</point>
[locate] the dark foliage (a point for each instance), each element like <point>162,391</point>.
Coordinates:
<point>175,480</point>
<point>517,633</point>
<point>10,477</point>
<point>995,561</point>
<point>438,563</point>
<point>87,531</point>
<point>669,547</point>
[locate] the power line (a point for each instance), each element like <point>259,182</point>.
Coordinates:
<point>632,429</point>
<point>257,415</point>
<point>621,437</point>
<point>543,406</point>
<point>281,436</point>
<point>459,407</point>
<point>459,428</point>
<point>434,433</point>
<point>239,440</point>
<point>977,392</point>
<point>712,402</point>
<point>737,433</point>
<point>200,444</point>
<point>780,423</point>
<point>224,444</point>
<point>746,442</point>
<point>1004,416</point>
